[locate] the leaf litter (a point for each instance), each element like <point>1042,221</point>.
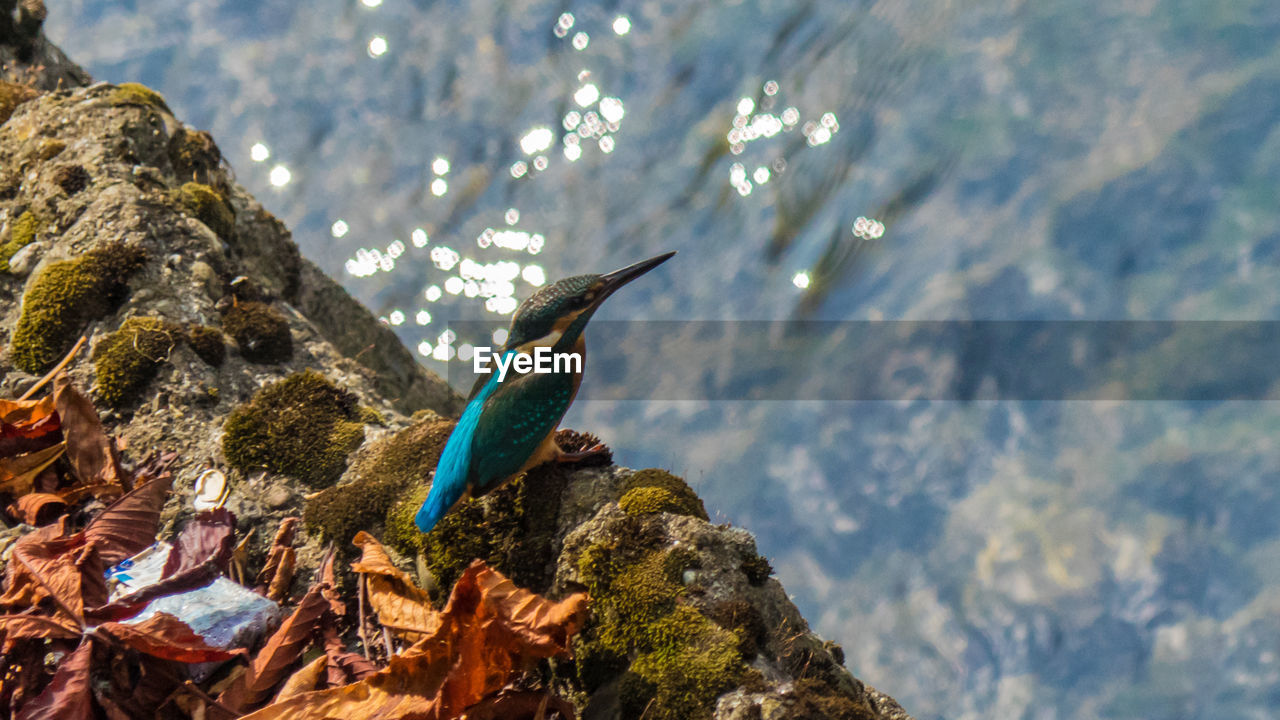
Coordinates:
<point>73,647</point>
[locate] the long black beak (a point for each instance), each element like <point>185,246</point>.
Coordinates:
<point>616,279</point>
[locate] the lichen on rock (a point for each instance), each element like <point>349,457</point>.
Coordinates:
<point>11,96</point>
<point>304,427</point>
<point>129,358</point>
<point>260,331</point>
<point>64,297</point>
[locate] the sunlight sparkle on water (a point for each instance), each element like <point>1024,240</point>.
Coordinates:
<point>572,152</point>
<point>424,349</point>
<point>454,285</point>
<point>745,106</point>
<point>444,258</point>
<point>439,187</point>
<point>512,217</point>
<point>868,228</point>
<point>606,144</point>
<point>339,229</point>
<point>621,25</point>
<point>611,110</point>
<point>396,317</point>
<point>259,152</point>
<point>801,280</point>
<point>422,318</point>
<point>419,237</point>
<point>371,3</point>
<point>519,168</point>
<point>586,94</point>
<point>440,166</point>
<point>761,175</point>
<point>500,336</point>
<point>580,41</point>
<point>537,140</point>
<point>280,176</point>
<point>377,46</point>
<point>534,275</point>
<point>433,293</point>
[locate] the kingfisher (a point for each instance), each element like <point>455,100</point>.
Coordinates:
<point>509,424</point>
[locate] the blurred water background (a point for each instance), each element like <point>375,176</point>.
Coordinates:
<point>829,160</point>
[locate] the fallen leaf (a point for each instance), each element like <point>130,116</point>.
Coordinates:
<point>402,607</point>
<point>305,680</point>
<point>37,508</point>
<point>128,525</point>
<point>282,542</point>
<point>18,474</point>
<point>277,656</point>
<point>92,454</point>
<point>27,418</point>
<point>344,665</point>
<point>470,656</point>
<point>46,564</point>
<point>209,537</point>
<point>36,627</point>
<point>329,584</point>
<point>278,590</point>
<point>69,695</point>
<point>164,636</point>
<point>520,705</point>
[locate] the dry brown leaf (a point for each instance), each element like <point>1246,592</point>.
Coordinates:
<point>69,696</point>
<point>278,590</point>
<point>36,627</point>
<point>282,650</point>
<point>27,418</point>
<point>91,452</point>
<point>402,607</point>
<point>282,543</point>
<point>37,508</point>
<point>305,680</point>
<point>344,665</point>
<point>128,525</point>
<point>18,474</point>
<point>46,564</point>
<point>470,656</point>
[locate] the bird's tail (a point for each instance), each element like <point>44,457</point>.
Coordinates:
<point>439,501</point>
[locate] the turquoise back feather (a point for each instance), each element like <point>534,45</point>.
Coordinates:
<point>450,480</point>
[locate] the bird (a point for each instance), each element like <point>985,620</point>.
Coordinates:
<point>509,424</point>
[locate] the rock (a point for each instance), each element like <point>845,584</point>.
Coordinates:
<point>318,411</point>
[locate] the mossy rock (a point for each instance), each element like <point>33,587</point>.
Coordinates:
<point>511,528</point>
<point>11,96</point>
<point>132,93</point>
<point>196,157</point>
<point>654,490</point>
<point>261,332</point>
<point>208,344</point>
<point>21,234</point>
<point>390,468</point>
<point>64,298</point>
<point>677,660</point>
<point>208,206</point>
<point>128,359</point>
<point>304,427</point>
<point>757,569</point>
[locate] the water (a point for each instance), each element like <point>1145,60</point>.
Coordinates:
<point>1027,161</point>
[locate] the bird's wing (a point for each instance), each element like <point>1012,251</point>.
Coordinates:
<point>516,419</point>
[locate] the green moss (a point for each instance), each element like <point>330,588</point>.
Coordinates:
<point>303,426</point>
<point>511,528</point>
<point>676,496</point>
<point>21,234</point>
<point>208,344</point>
<point>677,660</point>
<point>64,298</point>
<point>743,620</point>
<point>370,416</point>
<point>132,93</point>
<point>391,467</point>
<point>261,332</point>
<point>127,359</point>
<point>11,96</point>
<point>208,206</point>
<point>757,569</point>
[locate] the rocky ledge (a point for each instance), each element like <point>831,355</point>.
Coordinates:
<point>209,336</point>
